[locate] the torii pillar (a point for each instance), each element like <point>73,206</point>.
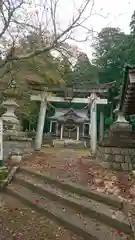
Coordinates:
<point>41,121</point>
<point>101,125</point>
<point>94,100</point>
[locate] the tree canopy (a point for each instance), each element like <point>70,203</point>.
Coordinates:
<point>20,18</point>
<point>45,55</point>
<point>111,54</point>
<point>84,71</point>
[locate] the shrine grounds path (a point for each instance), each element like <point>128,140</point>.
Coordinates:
<point>18,222</point>
<point>75,165</point>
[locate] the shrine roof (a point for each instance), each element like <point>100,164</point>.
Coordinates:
<point>127,100</point>
<point>77,114</point>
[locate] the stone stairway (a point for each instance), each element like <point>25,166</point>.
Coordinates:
<point>87,213</point>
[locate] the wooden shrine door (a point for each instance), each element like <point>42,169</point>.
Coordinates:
<point>70,131</point>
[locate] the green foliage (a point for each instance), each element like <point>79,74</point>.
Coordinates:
<point>84,71</point>
<point>44,68</point>
<point>114,49</point>
<point>111,54</point>
<point>132,121</point>
<point>132,40</point>
<point>132,24</point>
<point>67,70</point>
<point>3,173</point>
<point>108,121</point>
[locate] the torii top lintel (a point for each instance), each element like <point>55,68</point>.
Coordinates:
<point>97,88</point>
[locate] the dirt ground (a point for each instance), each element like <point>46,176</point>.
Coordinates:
<point>75,166</point>
<point>17,222</point>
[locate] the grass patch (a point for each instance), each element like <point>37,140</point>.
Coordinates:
<point>3,173</point>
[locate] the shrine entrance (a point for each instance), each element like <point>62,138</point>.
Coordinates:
<point>70,123</point>
<point>70,131</point>
<point>91,95</point>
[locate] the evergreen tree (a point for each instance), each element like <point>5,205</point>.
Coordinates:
<point>132,24</point>
<point>132,40</point>
<point>84,71</point>
<point>111,54</point>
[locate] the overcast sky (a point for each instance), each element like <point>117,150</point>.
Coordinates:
<point>116,13</point>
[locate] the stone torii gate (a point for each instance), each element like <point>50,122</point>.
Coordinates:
<point>93,100</point>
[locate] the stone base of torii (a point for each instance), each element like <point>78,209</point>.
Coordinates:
<point>92,102</point>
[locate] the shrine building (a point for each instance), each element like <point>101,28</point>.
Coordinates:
<point>69,123</point>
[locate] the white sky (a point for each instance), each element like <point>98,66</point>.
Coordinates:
<point>117,13</point>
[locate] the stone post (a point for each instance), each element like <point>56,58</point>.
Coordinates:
<point>101,127</point>
<point>41,121</point>
<point>56,129</point>
<point>93,124</point>
<point>90,128</point>
<point>77,138</point>
<point>61,132</point>
<point>83,129</point>
<point>50,126</point>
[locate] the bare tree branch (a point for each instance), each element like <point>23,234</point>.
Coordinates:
<point>57,37</point>
<point>10,10</point>
<point>53,9</point>
<point>20,21</point>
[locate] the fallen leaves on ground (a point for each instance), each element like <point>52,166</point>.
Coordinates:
<point>75,166</point>
<point>17,222</point>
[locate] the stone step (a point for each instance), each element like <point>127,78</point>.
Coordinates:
<point>69,143</point>
<point>93,209</point>
<point>58,143</point>
<point>70,218</point>
<point>75,188</point>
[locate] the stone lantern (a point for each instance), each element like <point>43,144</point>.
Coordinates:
<point>15,142</point>
<point>120,131</point>
<point>11,122</point>
<point>121,123</point>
